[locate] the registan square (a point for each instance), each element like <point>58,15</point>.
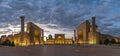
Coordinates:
<point>59,28</point>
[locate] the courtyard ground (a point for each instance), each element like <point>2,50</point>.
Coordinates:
<point>61,50</point>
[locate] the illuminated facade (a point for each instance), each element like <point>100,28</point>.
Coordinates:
<point>35,33</point>
<point>68,41</point>
<point>17,39</point>
<point>59,39</point>
<point>33,36</point>
<point>86,33</point>
<point>50,41</point>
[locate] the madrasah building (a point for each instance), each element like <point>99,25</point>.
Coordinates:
<point>59,39</point>
<point>33,35</point>
<point>85,33</point>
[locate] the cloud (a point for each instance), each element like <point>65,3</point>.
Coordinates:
<point>113,31</point>
<point>57,16</point>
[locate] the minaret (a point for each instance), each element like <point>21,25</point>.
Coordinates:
<point>22,29</point>
<point>94,33</point>
<point>75,36</point>
<point>42,38</point>
<point>93,24</point>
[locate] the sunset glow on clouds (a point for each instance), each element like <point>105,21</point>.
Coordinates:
<point>60,16</point>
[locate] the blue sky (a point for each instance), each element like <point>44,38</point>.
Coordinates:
<point>60,16</point>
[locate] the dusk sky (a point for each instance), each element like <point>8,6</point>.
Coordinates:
<point>60,16</point>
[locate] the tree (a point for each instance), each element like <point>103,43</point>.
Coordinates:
<point>106,41</point>
<point>7,42</point>
<point>12,44</point>
<point>101,42</point>
<point>113,41</point>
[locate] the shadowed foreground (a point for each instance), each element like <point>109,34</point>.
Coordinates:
<point>60,50</point>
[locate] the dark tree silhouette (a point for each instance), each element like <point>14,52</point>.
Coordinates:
<point>113,41</point>
<point>106,41</point>
<point>101,42</point>
<point>12,44</point>
<point>6,42</point>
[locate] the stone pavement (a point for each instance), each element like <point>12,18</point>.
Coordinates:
<point>60,50</point>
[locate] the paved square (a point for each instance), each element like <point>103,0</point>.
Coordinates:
<point>59,50</point>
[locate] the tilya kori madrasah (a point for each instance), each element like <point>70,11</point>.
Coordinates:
<point>85,33</point>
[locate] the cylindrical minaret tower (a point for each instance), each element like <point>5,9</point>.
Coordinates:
<point>94,33</point>
<point>22,28</point>
<point>42,37</point>
<point>75,36</point>
<point>93,24</point>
